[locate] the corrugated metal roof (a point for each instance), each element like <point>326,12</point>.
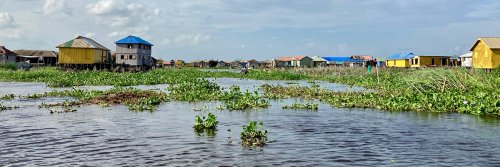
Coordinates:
<point>82,42</point>
<point>401,56</point>
<point>290,58</point>
<point>5,51</point>
<point>133,40</point>
<point>491,42</point>
<point>362,57</point>
<point>37,53</point>
<point>317,58</point>
<point>469,54</point>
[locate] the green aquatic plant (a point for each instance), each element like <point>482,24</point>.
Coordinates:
<point>253,135</point>
<point>206,124</point>
<point>7,97</point>
<point>298,106</point>
<point>197,90</point>
<point>2,107</point>
<point>234,99</point>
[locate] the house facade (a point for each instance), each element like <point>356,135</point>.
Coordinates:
<point>83,50</point>
<point>429,61</point>
<point>294,61</point>
<point>486,53</point>
<point>7,56</point>
<point>37,57</point>
<point>133,51</point>
<point>399,60</point>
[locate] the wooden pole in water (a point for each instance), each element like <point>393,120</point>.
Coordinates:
<point>378,78</point>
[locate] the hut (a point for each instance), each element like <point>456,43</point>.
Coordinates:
<point>7,56</point>
<point>486,53</point>
<point>134,51</point>
<point>179,63</point>
<point>399,60</point>
<point>318,61</point>
<point>429,61</point>
<point>37,57</point>
<point>294,61</point>
<point>221,63</point>
<point>361,60</point>
<point>168,64</point>
<point>83,51</point>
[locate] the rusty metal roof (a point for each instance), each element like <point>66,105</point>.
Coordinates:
<point>37,53</point>
<point>82,42</point>
<point>5,51</point>
<point>290,58</point>
<point>491,42</point>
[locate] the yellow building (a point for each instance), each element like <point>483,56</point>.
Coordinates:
<point>486,53</point>
<point>429,61</point>
<point>82,50</point>
<point>399,60</point>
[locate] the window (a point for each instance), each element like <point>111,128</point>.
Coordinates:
<point>122,57</point>
<point>432,62</point>
<point>416,61</point>
<point>130,46</point>
<point>130,56</point>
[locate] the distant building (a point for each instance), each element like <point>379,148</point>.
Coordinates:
<point>429,61</point>
<point>399,60</point>
<point>37,57</point>
<point>134,51</point>
<point>486,53</point>
<point>82,51</point>
<point>7,56</point>
<point>342,61</point>
<point>294,61</point>
<point>318,61</point>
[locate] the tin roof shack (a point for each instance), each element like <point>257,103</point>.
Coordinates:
<point>318,61</point>
<point>265,64</point>
<point>466,59</point>
<point>82,51</point>
<point>399,60</point>
<point>294,61</point>
<point>486,53</point>
<point>37,57</point>
<point>429,61</point>
<point>361,60</point>
<point>7,56</point>
<point>134,51</point>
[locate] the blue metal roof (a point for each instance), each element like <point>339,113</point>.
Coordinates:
<point>133,40</point>
<point>341,59</point>
<point>401,56</point>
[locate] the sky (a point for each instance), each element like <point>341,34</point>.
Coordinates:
<point>255,29</point>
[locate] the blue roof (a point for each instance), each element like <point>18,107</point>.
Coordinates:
<point>133,40</point>
<point>400,56</point>
<point>341,59</point>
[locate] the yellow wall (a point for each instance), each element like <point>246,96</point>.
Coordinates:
<point>484,57</point>
<point>424,61</point>
<point>398,63</point>
<point>81,56</point>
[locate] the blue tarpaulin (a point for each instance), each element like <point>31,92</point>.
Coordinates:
<point>401,56</point>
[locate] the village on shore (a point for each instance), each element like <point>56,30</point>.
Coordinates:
<point>134,54</point>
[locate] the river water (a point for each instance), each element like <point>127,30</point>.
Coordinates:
<point>115,136</point>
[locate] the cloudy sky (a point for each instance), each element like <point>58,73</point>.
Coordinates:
<point>260,29</point>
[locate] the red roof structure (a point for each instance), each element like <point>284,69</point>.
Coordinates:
<point>290,58</point>
<point>5,51</point>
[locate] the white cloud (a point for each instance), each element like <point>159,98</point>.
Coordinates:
<point>243,46</point>
<point>7,20</point>
<point>56,7</point>
<point>117,33</point>
<point>157,12</point>
<point>191,39</point>
<point>103,7</point>
<point>90,35</point>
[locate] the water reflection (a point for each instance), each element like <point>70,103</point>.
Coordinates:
<point>115,136</point>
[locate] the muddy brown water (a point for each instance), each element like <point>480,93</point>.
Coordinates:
<point>115,136</point>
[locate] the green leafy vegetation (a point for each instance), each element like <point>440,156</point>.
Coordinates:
<point>237,100</point>
<point>8,66</point>
<point>206,124</point>
<point>298,106</point>
<point>253,135</point>
<point>7,97</point>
